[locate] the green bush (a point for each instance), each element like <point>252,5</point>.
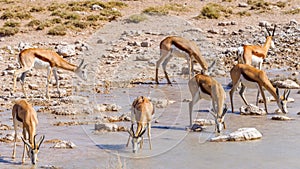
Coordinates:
<point>7,15</point>
<point>37,9</point>
<point>156,11</point>
<point>34,22</point>
<point>23,15</point>
<point>12,24</point>
<point>136,18</point>
<point>214,11</point>
<point>293,11</point>
<point>258,4</point>
<point>59,30</point>
<point>8,31</point>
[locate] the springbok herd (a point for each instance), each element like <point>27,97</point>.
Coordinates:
<point>247,73</point>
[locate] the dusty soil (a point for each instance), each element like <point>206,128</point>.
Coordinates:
<point>116,75</point>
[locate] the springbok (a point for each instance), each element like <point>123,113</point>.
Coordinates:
<point>206,87</point>
<point>142,112</point>
<point>255,54</point>
<point>24,116</point>
<point>167,47</point>
<point>44,58</point>
<point>251,77</point>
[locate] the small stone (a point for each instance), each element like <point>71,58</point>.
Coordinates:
<point>96,7</point>
<point>204,122</point>
<point>145,44</point>
<point>252,110</point>
<point>263,23</point>
<point>243,5</point>
<point>33,86</point>
<point>288,84</point>
<point>142,58</point>
<point>64,144</point>
<point>293,22</point>
<point>281,118</point>
<point>106,127</point>
<point>196,128</point>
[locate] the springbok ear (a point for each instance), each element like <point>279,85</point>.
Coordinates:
<point>26,142</point>
<point>40,141</point>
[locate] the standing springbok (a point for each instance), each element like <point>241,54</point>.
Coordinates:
<point>255,54</point>
<point>167,47</point>
<point>44,58</point>
<point>206,87</point>
<point>24,116</point>
<point>142,112</point>
<point>251,77</point>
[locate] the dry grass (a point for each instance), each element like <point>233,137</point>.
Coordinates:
<point>58,18</point>
<point>166,9</point>
<point>214,11</point>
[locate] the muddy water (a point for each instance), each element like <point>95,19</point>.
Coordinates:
<point>173,146</point>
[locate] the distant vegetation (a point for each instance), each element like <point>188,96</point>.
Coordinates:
<point>137,18</point>
<point>214,11</point>
<point>58,17</point>
<point>293,11</point>
<point>166,9</point>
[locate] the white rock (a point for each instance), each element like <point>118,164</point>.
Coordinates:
<point>66,50</point>
<point>263,23</point>
<point>293,22</point>
<point>106,127</point>
<point>64,144</point>
<point>113,107</point>
<point>204,122</point>
<point>242,134</point>
<point>96,7</point>
<point>142,58</point>
<point>243,5</point>
<point>290,84</point>
<point>252,110</point>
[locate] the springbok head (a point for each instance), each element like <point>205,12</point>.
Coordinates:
<point>81,70</point>
<point>282,100</point>
<point>33,150</point>
<point>219,119</point>
<point>271,36</point>
<point>137,139</point>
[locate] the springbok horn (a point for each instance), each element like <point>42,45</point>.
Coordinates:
<point>132,129</point>
<point>224,110</point>
<point>40,141</point>
<point>34,145</point>
<point>274,30</point>
<point>81,63</point>
<point>141,133</point>
<point>268,30</point>
<point>26,142</point>
<point>212,113</point>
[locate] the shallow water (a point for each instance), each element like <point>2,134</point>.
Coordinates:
<point>173,146</point>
